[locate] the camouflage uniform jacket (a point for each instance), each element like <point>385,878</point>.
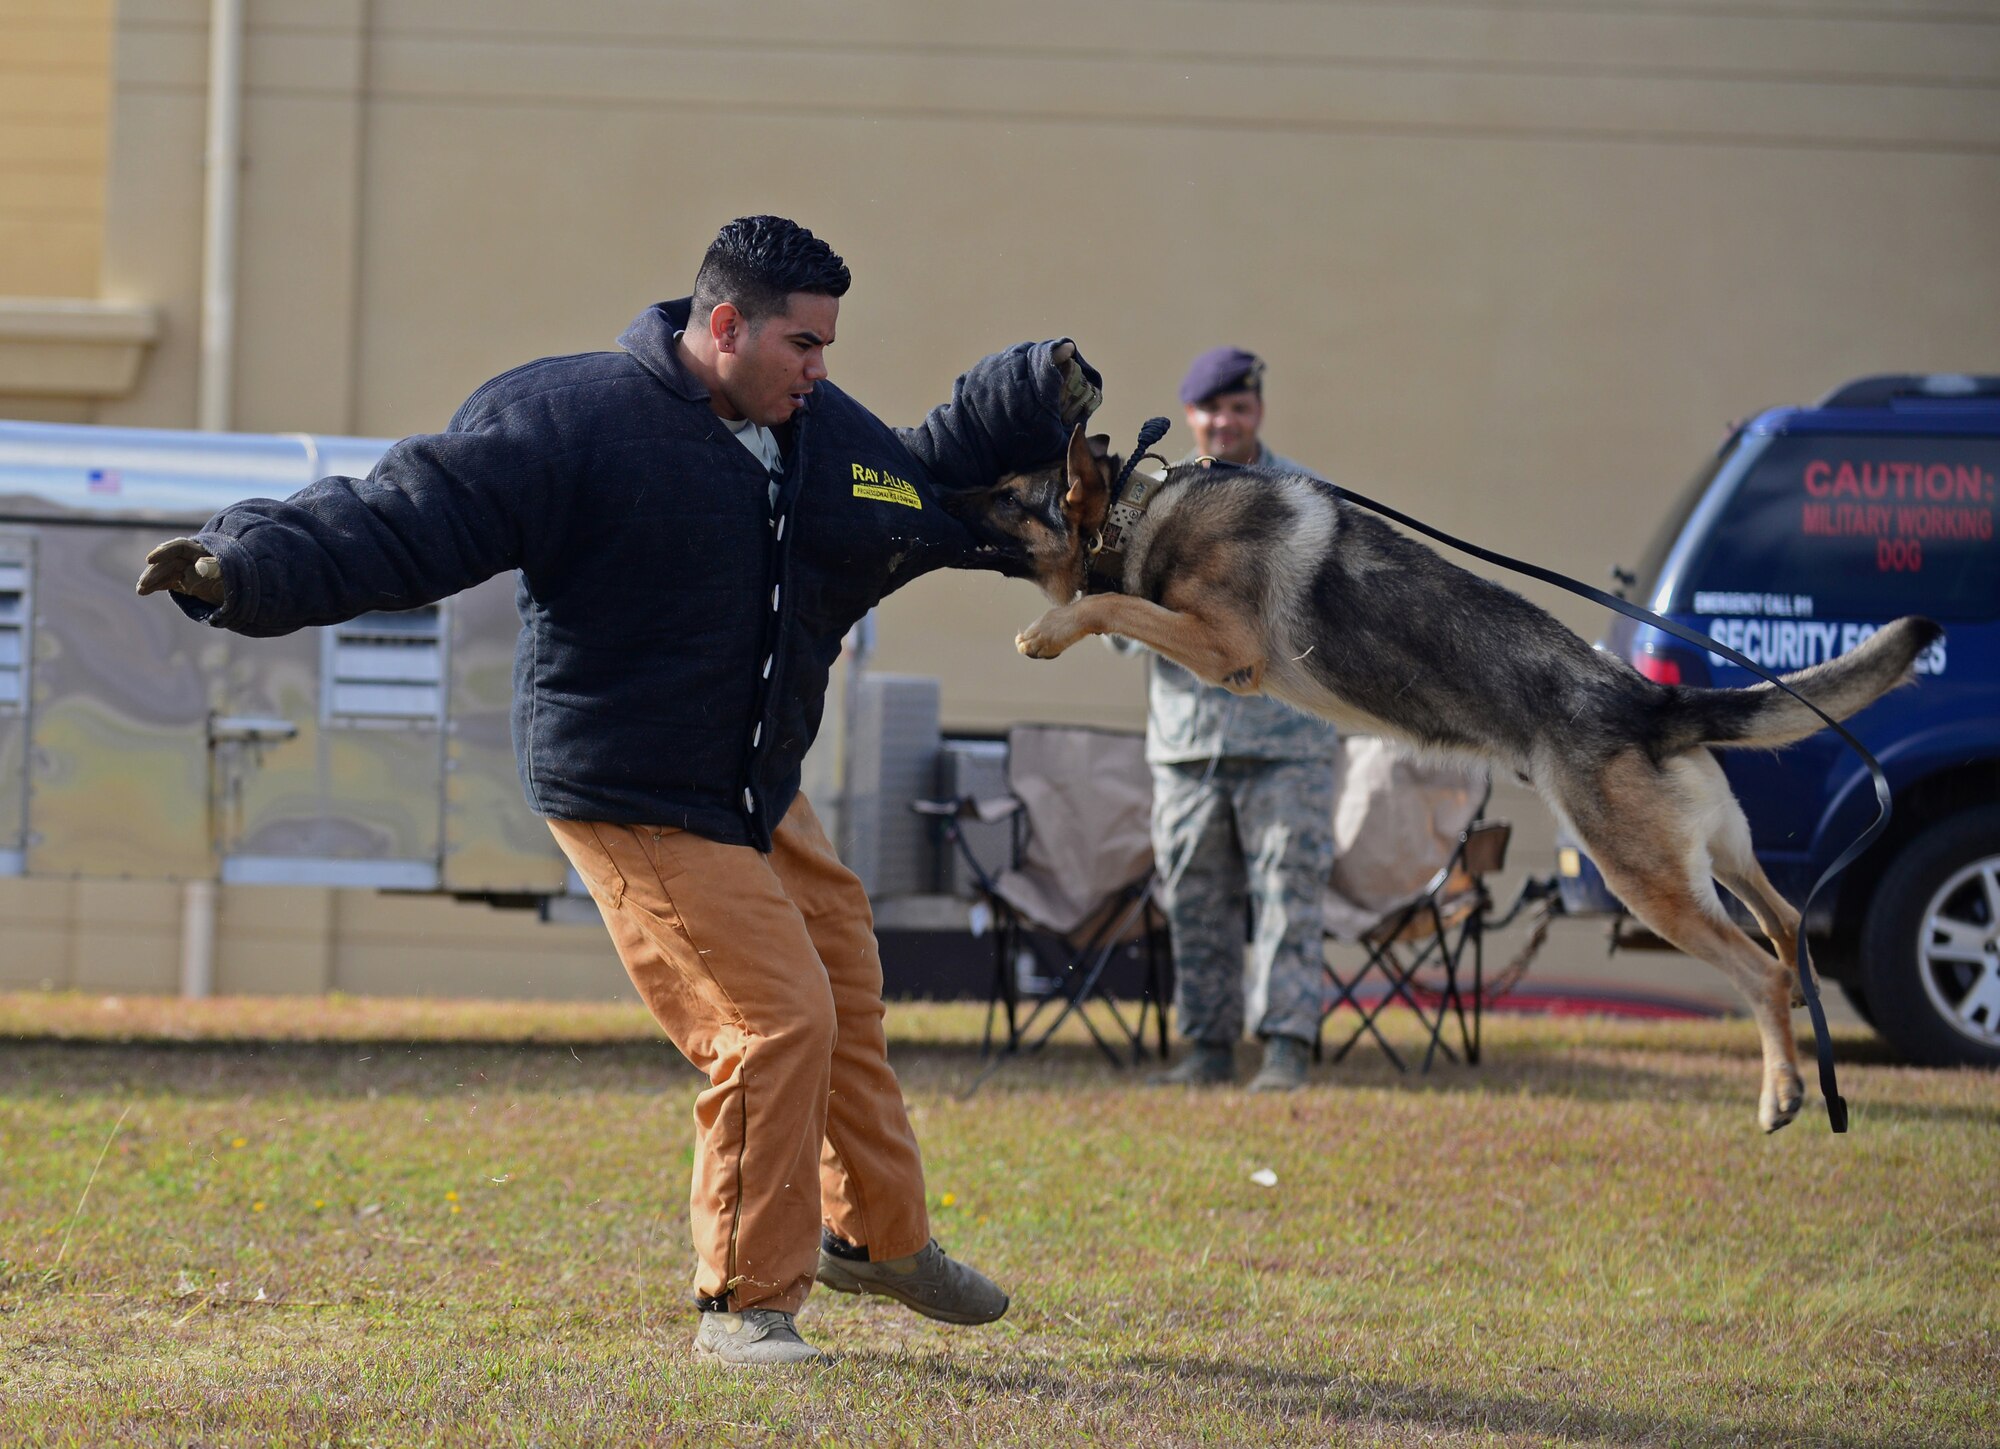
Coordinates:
<point>1187,720</point>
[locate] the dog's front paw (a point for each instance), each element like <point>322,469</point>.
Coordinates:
<point>1783,1095</point>
<point>1047,637</point>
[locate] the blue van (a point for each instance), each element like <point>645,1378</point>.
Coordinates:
<point>1811,527</point>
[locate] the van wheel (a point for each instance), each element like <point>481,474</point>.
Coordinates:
<point>1930,948</point>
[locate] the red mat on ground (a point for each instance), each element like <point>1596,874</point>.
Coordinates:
<point>1558,999</point>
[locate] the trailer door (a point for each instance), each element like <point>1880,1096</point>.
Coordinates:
<point>327,754</point>
<point>115,691</point>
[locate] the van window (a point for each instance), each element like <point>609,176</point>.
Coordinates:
<point>1662,543</point>
<point>1864,528</point>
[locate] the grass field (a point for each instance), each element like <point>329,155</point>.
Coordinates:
<point>304,1222</point>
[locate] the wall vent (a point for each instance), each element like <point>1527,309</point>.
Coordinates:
<point>13,636</point>
<point>385,666</point>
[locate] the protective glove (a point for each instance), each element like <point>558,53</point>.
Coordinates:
<point>186,567</point>
<point>1080,398</point>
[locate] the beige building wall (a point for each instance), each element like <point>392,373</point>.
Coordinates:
<point>1515,267</point>
<point>62,347</point>
<point>55,95</point>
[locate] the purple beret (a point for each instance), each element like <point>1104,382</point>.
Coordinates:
<point>1222,369</point>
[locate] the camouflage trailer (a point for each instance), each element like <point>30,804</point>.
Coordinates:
<point>374,753</point>
<point>370,754</point>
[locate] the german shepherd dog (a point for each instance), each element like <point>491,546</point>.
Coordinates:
<point>1264,581</point>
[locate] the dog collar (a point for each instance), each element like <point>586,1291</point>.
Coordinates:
<point>1130,494</point>
<point>1107,549</point>
<point>1106,572</point>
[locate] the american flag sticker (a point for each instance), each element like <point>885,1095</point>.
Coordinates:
<point>104,480</point>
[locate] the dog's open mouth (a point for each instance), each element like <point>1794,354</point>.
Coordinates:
<point>993,549</point>
<point>1006,557</point>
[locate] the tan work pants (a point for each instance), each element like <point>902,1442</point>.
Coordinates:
<point>763,969</point>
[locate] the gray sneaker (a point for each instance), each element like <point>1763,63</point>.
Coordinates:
<point>754,1338</point>
<point>1209,1064</point>
<point>1286,1059</point>
<point>928,1281</point>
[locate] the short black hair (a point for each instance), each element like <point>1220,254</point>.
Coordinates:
<point>756,262</point>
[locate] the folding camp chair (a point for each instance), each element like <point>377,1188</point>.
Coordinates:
<point>1399,822</point>
<point>1077,888</point>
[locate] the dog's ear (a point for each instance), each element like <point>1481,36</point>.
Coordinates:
<point>1108,462</point>
<point>1089,496</point>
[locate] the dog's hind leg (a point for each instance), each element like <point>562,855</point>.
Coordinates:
<point>1648,828</point>
<point>1229,653</point>
<point>1735,865</point>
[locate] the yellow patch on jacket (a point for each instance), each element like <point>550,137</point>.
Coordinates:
<point>884,487</point>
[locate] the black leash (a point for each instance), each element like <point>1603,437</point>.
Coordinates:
<point>1836,1105</point>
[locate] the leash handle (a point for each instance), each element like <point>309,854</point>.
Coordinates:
<point>1836,1105</point>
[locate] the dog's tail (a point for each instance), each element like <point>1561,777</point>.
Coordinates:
<point>1764,716</point>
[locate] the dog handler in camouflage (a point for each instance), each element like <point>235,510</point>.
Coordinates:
<point>1243,790</point>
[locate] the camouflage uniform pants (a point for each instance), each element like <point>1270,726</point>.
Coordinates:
<point>1259,831</point>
